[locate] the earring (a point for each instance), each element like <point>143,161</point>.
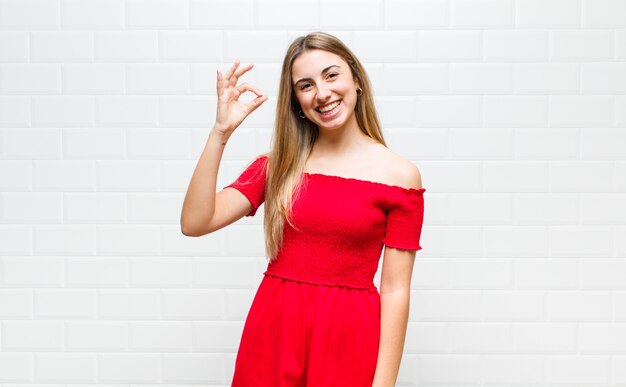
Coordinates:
<point>357,91</point>
<point>301,114</point>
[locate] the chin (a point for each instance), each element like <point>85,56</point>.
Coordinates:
<point>332,125</point>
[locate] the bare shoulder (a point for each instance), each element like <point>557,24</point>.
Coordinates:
<point>402,171</point>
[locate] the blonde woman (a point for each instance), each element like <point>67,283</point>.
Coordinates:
<point>334,195</point>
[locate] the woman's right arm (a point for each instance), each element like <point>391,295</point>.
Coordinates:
<point>204,210</point>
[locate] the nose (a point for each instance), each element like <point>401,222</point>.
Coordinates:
<point>323,94</point>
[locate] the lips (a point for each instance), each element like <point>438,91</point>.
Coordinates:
<point>333,113</point>
<point>330,103</point>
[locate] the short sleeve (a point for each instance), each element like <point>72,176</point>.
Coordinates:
<point>251,183</point>
<point>405,217</point>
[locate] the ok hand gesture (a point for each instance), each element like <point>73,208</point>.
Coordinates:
<point>231,112</point>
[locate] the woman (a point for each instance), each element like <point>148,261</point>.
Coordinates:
<point>334,195</point>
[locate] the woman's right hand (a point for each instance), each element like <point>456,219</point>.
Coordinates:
<point>230,111</point>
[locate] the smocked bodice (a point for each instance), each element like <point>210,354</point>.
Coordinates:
<point>340,225</point>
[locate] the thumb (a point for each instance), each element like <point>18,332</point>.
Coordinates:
<point>255,103</point>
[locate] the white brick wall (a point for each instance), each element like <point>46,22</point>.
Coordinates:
<point>514,111</point>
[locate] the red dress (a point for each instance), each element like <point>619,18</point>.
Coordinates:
<point>315,318</point>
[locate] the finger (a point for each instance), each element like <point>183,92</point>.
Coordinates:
<point>255,103</point>
<point>218,84</point>
<point>232,69</point>
<point>242,70</point>
<point>248,87</point>
<point>235,77</point>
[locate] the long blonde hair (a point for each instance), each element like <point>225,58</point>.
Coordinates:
<point>293,137</point>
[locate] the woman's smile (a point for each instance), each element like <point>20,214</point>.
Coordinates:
<point>331,113</point>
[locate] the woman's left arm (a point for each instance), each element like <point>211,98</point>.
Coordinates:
<point>395,288</point>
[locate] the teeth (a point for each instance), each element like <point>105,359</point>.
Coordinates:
<point>328,107</point>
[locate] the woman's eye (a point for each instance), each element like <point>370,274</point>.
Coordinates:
<point>303,86</point>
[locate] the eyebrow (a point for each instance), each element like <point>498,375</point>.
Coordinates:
<point>323,71</point>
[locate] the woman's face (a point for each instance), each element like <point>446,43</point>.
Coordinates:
<point>320,79</point>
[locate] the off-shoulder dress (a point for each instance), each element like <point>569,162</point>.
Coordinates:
<point>315,318</point>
